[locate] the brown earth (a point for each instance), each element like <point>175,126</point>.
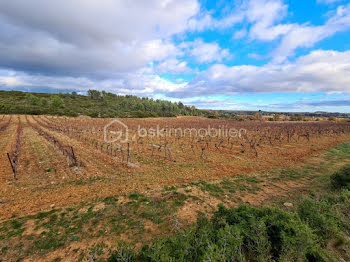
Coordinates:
<point>46,179</point>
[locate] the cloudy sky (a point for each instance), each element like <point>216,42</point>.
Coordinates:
<point>277,55</point>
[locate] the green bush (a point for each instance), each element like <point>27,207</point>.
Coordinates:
<point>32,99</point>
<point>242,234</point>
<point>341,178</point>
<point>270,234</point>
<point>322,218</point>
<point>56,101</point>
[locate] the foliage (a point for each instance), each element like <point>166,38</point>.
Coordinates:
<point>257,234</point>
<point>56,102</point>
<point>321,217</point>
<point>95,104</point>
<point>341,178</point>
<point>32,99</point>
<point>242,234</point>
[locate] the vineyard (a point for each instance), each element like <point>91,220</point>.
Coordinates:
<point>75,187</point>
<point>48,160</point>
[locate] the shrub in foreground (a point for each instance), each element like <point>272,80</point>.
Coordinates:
<point>322,217</point>
<point>341,178</point>
<point>242,234</point>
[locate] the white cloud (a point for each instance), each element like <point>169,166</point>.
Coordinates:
<point>142,82</point>
<point>240,34</point>
<point>308,36</point>
<point>320,71</point>
<point>263,14</point>
<point>206,52</point>
<point>85,22</point>
<point>90,37</point>
<point>9,81</point>
<point>205,21</point>
<point>173,65</point>
<point>265,18</point>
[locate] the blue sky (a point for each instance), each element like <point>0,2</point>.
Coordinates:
<point>241,55</point>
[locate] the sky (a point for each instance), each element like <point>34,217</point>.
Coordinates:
<point>273,55</point>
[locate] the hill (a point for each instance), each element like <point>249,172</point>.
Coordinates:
<point>95,104</point>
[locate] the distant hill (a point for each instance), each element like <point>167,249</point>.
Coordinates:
<point>286,113</point>
<point>95,104</point>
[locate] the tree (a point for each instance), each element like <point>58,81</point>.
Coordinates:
<point>181,105</point>
<point>94,94</point>
<point>56,101</point>
<point>32,100</point>
<point>140,107</point>
<point>108,104</point>
<point>103,94</point>
<point>44,102</point>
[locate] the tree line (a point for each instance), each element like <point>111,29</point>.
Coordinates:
<point>94,104</point>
